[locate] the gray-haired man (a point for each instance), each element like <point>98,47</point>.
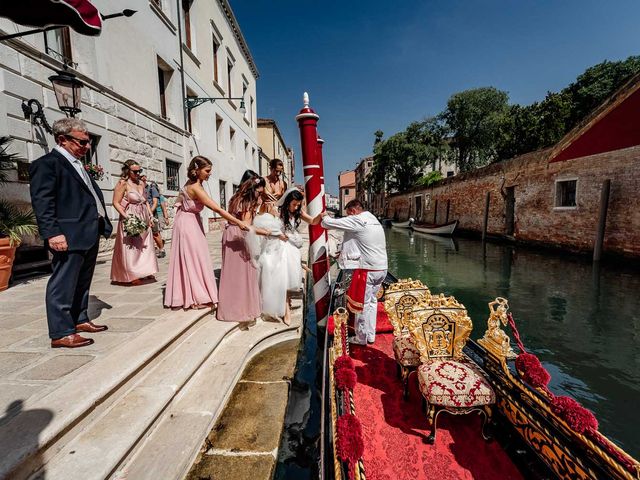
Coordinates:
<point>71,217</point>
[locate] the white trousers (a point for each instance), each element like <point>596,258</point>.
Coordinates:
<point>365,321</point>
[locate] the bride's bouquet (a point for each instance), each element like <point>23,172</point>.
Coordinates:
<point>134,226</point>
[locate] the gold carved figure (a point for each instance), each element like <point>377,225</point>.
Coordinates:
<point>495,340</point>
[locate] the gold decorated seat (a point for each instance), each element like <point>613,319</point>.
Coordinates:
<point>448,380</point>
<point>400,300</point>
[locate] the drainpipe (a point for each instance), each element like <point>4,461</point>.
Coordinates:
<point>184,97</point>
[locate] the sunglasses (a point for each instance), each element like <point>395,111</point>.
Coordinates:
<point>137,172</point>
<point>80,141</point>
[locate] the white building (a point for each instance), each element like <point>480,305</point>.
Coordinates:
<point>137,74</point>
<point>332,201</point>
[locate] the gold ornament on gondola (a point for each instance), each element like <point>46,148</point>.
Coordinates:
<point>495,340</point>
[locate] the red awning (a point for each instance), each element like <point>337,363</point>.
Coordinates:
<point>80,15</point>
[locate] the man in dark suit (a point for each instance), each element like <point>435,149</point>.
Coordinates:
<point>71,215</point>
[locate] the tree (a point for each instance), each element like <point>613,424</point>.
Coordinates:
<point>476,119</point>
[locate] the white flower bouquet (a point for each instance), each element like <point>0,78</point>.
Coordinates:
<point>134,226</point>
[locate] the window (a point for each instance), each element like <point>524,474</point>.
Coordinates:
<point>251,112</point>
<point>369,164</point>
<point>235,188</point>
<point>173,175</point>
<point>216,54</point>
<point>450,173</point>
<point>57,44</point>
<point>223,194</point>
<point>566,193</point>
<point>244,90</point>
<point>186,22</point>
<point>23,171</point>
<point>247,153</point>
<point>219,138</point>
<point>91,157</point>
<point>164,77</point>
<point>229,77</point>
<point>232,141</point>
<point>346,191</point>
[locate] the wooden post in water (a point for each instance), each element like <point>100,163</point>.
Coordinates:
<point>446,218</point>
<point>602,220</point>
<point>435,212</point>
<point>486,216</point>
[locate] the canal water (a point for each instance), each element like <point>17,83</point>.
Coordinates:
<point>582,322</point>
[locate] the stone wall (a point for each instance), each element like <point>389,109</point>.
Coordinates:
<point>537,219</point>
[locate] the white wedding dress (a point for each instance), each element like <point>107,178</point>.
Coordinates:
<point>293,259</point>
<point>268,254</point>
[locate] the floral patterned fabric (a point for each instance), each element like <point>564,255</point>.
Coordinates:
<point>451,383</point>
<point>405,351</point>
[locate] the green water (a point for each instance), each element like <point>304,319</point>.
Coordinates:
<point>582,322</point>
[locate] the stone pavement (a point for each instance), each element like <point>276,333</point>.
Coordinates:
<point>30,368</point>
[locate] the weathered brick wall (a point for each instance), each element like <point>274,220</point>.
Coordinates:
<point>536,218</point>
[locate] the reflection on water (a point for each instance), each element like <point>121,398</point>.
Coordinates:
<point>583,322</point>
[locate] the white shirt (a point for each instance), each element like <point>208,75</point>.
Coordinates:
<point>367,235</point>
<point>79,167</point>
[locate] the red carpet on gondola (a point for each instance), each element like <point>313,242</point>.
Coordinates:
<point>394,429</point>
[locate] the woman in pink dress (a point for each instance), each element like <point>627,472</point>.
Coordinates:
<point>134,258</point>
<point>191,282</point>
<point>239,297</point>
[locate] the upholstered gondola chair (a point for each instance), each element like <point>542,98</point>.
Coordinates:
<point>400,300</point>
<point>448,380</point>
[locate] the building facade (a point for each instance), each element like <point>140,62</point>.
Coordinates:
<point>332,202</point>
<point>272,145</point>
<point>137,75</point>
<point>347,186</point>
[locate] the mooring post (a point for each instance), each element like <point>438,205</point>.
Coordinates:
<point>446,218</point>
<point>486,216</point>
<point>435,212</point>
<point>602,220</point>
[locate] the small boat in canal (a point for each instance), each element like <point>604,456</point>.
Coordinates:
<point>445,229</point>
<point>406,224</point>
<point>385,405</point>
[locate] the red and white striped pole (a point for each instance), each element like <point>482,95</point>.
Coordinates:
<point>314,191</point>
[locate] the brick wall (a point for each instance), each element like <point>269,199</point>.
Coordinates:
<point>537,221</point>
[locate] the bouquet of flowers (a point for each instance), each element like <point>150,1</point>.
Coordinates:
<point>133,226</point>
<point>95,171</point>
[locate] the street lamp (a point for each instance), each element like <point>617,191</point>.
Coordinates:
<point>68,91</point>
<point>192,102</point>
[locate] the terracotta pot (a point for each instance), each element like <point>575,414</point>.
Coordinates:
<point>7,254</point>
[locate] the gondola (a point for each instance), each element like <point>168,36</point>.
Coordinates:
<point>445,229</point>
<point>385,413</point>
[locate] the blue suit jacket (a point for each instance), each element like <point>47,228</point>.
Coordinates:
<point>63,203</point>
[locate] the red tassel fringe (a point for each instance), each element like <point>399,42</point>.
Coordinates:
<point>349,443</point>
<point>343,361</point>
<point>532,371</point>
<point>577,417</point>
<point>346,379</point>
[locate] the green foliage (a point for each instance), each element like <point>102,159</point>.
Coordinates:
<point>7,160</point>
<point>430,178</point>
<point>477,120</point>
<point>16,223</point>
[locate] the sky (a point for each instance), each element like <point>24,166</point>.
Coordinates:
<point>379,65</point>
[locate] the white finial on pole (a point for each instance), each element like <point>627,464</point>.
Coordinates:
<point>305,99</point>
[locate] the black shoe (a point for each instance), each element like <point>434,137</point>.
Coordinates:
<point>161,254</point>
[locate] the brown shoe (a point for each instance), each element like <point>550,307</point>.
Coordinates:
<point>71,341</point>
<point>90,327</point>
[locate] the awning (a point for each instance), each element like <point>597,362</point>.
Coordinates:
<point>80,15</point>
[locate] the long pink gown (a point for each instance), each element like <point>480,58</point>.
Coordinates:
<point>239,296</point>
<point>133,257</point>
<point>190,279</point>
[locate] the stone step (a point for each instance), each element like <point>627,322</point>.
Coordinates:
<point>44,421</point>
<point>175,440</point>
<point>102,444</point>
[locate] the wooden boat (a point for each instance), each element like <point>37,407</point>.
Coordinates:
<point>434,229</point>
<point>374,426</point>
<point>406,224</point>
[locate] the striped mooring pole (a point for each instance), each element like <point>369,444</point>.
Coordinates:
<point>311,146</point>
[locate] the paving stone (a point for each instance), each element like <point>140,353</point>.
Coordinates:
<point>153,311</point>
<point>12,336</point>
<point>12,361</point>
<point>275,363</point>
<point>12,392</point>
<point>252,419</point>
<point>56,367</point>
<point>102,341</point>
<point>232,467</point>
<point>39,325</point>
<point>14,320</point>
<point>127,324</point>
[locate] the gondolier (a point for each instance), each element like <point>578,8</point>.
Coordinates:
<point>365,231</point>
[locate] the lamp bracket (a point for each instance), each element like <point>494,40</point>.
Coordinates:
<point>193,102</point>
<point>36,116</point>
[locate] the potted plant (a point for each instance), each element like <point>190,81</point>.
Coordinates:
<point>15,223</point>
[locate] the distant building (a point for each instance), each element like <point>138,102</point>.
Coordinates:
<point>333,202</point>
<point>272,146</point>
<point>363,193</point>
<point>347,185</point>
